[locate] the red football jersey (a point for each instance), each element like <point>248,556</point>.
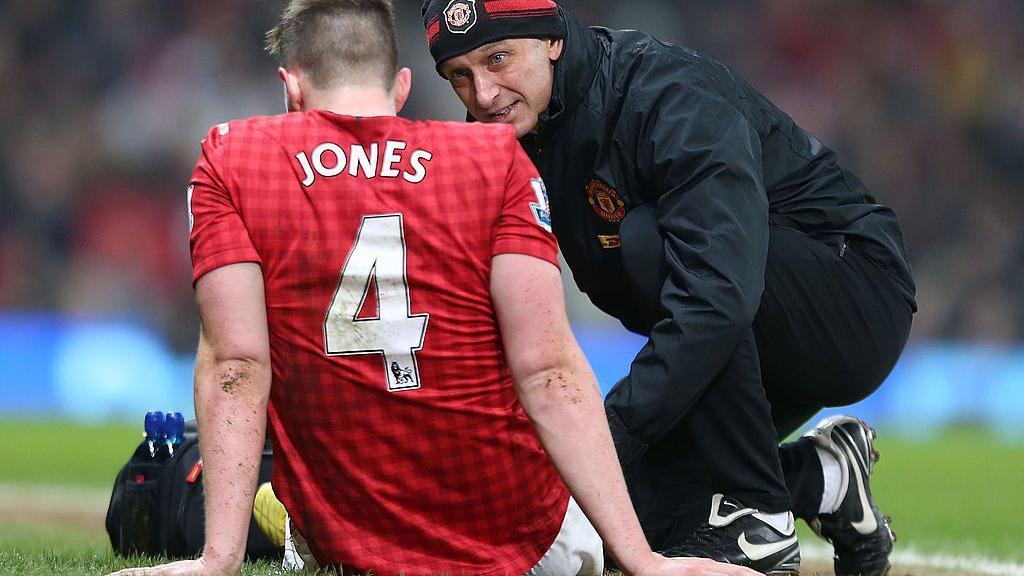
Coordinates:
<point>400,444</point>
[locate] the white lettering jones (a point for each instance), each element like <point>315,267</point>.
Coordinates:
<point>386,163</point>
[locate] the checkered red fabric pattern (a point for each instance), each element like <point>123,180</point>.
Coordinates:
<point>445,478</point>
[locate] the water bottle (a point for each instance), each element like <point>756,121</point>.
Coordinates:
<point>174,431</point>
<point>154,425</point>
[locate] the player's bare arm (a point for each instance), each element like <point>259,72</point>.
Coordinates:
<point>560,395</point>
<point>232,385</point>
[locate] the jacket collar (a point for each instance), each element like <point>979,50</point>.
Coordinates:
<point>574,71</point>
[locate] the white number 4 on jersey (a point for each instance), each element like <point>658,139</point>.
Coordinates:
<point>379,253</point>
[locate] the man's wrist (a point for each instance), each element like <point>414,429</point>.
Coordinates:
<point>227,562</point>
<point>641,562</point>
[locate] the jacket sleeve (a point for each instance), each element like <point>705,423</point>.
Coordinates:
<point>701,161</point>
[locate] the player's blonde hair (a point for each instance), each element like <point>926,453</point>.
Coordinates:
<point>338,41</point>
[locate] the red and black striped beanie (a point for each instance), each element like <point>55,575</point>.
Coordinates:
<point>455,27</point>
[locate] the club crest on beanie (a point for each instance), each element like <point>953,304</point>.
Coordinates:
<point>455,27</point>
<point>460,16</point>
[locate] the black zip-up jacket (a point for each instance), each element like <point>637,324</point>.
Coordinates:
<point>634,121</point>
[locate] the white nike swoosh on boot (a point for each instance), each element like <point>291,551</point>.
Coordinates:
<point>762,551</point>
<point>867,523</point>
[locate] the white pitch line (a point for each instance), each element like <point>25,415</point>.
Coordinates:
<point>910,557</point>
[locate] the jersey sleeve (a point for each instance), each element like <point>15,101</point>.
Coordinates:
<point>217,234</point>
<point>524,225</point>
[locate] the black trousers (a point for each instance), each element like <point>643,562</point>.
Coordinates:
<point>829,330</point>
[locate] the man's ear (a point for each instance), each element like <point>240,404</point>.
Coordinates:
<point>403,83</point>
<point>555,49</point>
<point>292,91</point>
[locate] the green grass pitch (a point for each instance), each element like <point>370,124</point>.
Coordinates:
<point>961,493</point>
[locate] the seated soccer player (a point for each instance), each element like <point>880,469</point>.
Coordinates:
<point>383,296</point>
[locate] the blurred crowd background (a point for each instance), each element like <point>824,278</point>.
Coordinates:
<point>104,102</point>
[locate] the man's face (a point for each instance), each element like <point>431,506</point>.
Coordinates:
<point>508,81</point>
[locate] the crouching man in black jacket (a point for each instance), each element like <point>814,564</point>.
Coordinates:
<point>769,280</point>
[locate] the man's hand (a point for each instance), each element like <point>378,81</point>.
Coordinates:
<point>661,566</point>
<point>198,567</point>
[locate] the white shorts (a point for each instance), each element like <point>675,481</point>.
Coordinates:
<point>577,550</point>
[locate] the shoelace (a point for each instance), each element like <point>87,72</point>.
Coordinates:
<point>704,538</point>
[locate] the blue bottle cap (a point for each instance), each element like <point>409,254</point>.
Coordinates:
<point>154,424</point>
<point>174,427</point>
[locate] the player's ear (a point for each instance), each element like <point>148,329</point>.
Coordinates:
<point>403,83</point>
<point>555,49</point>
<point>292,91</point>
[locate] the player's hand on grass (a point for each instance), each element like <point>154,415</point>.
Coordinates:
<point>200,567</point>
<point>661,566</point>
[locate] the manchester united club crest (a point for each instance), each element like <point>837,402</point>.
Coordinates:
<point>605,201</point>
<point>460,16</point>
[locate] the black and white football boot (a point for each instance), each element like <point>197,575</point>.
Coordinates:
<point>860,536</point>
<point>738,535</point>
